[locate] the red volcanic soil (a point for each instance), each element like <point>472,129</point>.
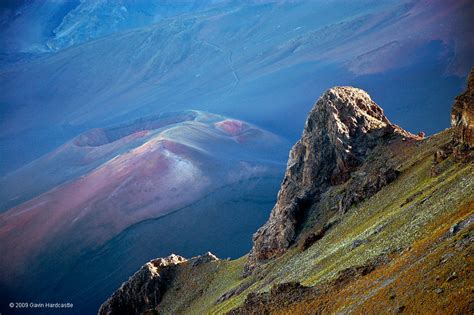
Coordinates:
<point>232,127</point>
<point>88,211</point>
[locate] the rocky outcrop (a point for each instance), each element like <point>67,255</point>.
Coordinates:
<point>342,128</point>
<point>144,290</point>
<point>461,147</point>
<point>462,120</point>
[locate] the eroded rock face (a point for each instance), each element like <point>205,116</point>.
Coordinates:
<point>462,117</point>
<point>344,125</point>
<point>144,290</point>
<point>461,147</point>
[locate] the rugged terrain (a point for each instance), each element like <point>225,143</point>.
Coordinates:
<point>387,226</point>
<point>95,179</point>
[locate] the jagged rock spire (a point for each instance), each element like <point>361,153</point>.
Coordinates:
<point>341,128</point>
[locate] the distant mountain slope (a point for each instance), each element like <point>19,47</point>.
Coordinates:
<point>45,26</point>
<point>255,61</point>
<point>361,240</point>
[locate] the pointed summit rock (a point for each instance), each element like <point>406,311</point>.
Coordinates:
<point>344,125</point>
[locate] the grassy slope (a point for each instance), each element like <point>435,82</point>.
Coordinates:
<point>433,276</point>
<point>386,221</point>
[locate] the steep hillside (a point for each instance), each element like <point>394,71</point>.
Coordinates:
<point>401,243</point>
